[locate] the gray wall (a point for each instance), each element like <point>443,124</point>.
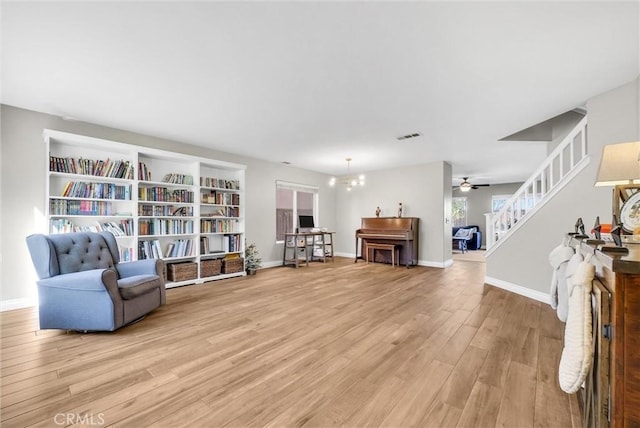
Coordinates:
<point>423,191</point>
<point>522,260</point>
<point>479,202</point>
<point>22,183</point>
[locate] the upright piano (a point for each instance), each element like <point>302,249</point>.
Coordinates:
<point>402,231</point>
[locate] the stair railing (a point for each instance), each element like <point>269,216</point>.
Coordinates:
<point>564,162</point>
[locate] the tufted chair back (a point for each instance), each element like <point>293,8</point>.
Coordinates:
<point>72,252</point>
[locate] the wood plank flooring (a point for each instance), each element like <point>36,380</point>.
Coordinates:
<point>336,344</point>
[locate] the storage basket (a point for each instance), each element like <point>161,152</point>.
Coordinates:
<point>182,271</point>
<point>210,267</point>
<point>233,265</point>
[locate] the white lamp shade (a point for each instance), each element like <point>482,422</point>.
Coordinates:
<point>619,165</point>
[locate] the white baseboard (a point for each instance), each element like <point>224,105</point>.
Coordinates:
<point>347,255</point>
<point>271,264</point>
<point>518,289</point>
<point>441,265</point>
<point>9,305</point>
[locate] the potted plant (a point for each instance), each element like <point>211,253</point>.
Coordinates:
<point>251,259</point>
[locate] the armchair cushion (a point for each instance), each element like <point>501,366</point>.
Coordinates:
<point>135,286</point>
<point>82,252</point>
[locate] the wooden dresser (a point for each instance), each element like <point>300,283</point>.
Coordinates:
<point>620,276</point>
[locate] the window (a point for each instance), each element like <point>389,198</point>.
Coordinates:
<point>293,200</point>
<point>459,211</point>
<point>498,201</point>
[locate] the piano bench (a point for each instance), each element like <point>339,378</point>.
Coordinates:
<point>394,248</point>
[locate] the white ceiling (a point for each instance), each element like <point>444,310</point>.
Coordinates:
<point>313,83</point>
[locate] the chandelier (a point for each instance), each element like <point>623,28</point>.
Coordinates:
<point>348,180</point>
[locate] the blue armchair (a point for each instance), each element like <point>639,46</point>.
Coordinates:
<point>473,241</point>
<point>83,287</point>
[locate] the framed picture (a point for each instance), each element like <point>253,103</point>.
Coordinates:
<point>630,211</point>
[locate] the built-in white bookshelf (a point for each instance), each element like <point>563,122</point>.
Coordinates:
<point>158,204</point>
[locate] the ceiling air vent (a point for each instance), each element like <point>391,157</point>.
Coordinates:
<point>406,137</point>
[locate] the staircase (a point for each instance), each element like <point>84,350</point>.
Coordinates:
<point>558,169</point>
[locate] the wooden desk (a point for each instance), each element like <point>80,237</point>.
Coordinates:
<point>314,246</point>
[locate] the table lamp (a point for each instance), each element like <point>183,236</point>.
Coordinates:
<point>620,167</point>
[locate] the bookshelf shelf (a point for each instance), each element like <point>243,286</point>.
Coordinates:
<point>94,184</point>
<point>168,235</point>
<point>92,216</point>
<point>87,178</point>
<point>79,198</point>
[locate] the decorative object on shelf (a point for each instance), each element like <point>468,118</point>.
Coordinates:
<point>252,261</point>
<point>232,264</point>
<point>378,211</point>
<point>579,229</point>
<point>620,167</point>
<point>615,232</point>
<point>596,231</point>
<point>182,271</point>
<point>210,267</point>
<point>399,209</point>
<point>615,235</point>
<point>630,213</point>
<point>348,180</point>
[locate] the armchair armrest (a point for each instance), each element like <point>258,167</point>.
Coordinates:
<point>140,267</point>
<point>477,240</point>
<point>88,280</point>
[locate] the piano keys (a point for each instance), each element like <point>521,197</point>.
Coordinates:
<point>402,231</point>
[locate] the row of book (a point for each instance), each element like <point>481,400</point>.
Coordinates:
<point>219,183</point>
<point>67,207</point>
<point>221,212</point>
<point>220,198</point>
<point>232,243</point>
<point>122,228</point>
<point>151,249</point>
<point>100,168</point>
<point>164,210</point>
<point>175,178</point>
<point>144,174</point>
<point>218,226</point>
<point>161,226</point>
<point>162,194</point>
<point>79,189</point>
<point>180,248</point>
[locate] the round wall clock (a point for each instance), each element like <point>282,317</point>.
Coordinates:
<point>630,213</point>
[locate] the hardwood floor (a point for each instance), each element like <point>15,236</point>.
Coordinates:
<point>336,344</point>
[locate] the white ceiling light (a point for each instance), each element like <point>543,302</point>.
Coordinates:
<point>348,180</point>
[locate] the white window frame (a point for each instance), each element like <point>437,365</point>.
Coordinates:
<point>297,187</point>
<point>466,208</point>
<point>497,198</point>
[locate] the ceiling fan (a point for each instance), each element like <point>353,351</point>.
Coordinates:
<point>465,186</point>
